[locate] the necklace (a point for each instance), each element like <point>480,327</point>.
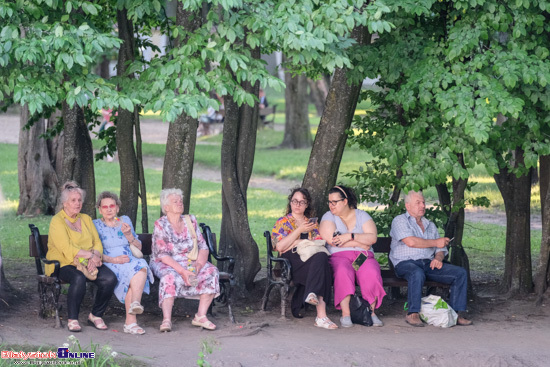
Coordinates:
<point>74,226</point>
<point>114,225</point>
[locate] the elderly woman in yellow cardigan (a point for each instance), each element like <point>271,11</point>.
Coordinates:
<point>73,235</point>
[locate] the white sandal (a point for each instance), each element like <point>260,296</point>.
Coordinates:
<point>135,308</point>
<point>325,323</point>
<point>312,299</point>
<point>134,329</point>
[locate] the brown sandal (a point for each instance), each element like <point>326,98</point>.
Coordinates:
<point>97,322</point>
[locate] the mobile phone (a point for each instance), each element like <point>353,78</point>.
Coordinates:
<point>337,233</point>
<point>312,220</point>
<point>359,260</point>
<point>451,240</point>
<point>304,236</point>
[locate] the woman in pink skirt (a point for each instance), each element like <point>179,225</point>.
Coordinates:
<point>350,232</point>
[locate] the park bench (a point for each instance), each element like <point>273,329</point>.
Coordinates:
<point>279,273</point>
<point>267,117</point>
<point>49,287</point>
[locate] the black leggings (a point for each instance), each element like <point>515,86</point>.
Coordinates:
<point>106,282</point>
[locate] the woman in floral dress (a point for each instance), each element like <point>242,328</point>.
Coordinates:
<point>173,240</point>
<point>133,274</point>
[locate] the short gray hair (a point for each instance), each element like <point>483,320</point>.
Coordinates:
<point>67,188</point>
<point>164,194</point>
<point>408,197</point>
<point>108,195</point>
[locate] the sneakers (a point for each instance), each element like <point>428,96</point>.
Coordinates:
<point>345,321</point>
<point>414,320</point>
<point>376,321</point>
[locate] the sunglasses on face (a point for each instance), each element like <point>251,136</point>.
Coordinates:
<point>105,207</point>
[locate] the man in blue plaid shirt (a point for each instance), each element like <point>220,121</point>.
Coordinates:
<point>417,253</point>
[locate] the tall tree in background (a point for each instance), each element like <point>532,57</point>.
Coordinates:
<point>297,131</point>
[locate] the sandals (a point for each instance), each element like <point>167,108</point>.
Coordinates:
<point>202,321</point>
<point>135,308</point>
<point>166,326</point>
<point>74,326</point>
<point>133,329</point>
<point>312,299</point>
<point>97,322</point>
<point>325,323</point>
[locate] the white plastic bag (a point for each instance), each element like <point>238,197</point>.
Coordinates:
<point>435,311</point>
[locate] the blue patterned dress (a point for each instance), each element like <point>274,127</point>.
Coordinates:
<point>115,244</point>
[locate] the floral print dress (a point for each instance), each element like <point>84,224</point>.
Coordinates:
<point>167,242</point>
<point>115,244</point>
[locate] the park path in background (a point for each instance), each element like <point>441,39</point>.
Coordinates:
<point>154,131</point>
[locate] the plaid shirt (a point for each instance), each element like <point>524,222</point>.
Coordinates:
<point>404,226</point>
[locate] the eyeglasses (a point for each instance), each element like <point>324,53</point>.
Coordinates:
<point>334,202</point>
<point>105,207</point>
<point>299,203</point>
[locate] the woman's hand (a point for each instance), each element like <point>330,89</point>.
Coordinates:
<point>126,229</point>
<point>185,274</point>
<point>341,240</point>
<point>198,266</point>
<point>306,227</point>
<point>122,259</point>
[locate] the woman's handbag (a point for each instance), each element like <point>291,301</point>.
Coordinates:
<point>194,253</point>
<point>360,311</point>
<point>307,249</point>
<point>136,252</point>
<point>82,264</point>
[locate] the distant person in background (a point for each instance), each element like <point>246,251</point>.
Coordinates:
<point>212,116</point>
<point>106,124</point>
<point>263,99</point>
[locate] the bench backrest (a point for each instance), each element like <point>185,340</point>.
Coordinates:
<point>145,238</point>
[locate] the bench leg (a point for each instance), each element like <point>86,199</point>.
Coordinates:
<point>284,295</point>
<point>229,308</point>
<point>49,302</point>
<point>265,298</point>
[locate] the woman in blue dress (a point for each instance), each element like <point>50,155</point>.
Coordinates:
<point>133,273</point>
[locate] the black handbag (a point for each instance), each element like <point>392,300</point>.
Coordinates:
<point>360,311</point>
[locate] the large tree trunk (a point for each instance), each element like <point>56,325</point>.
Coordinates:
<point>328,147</point>
<point>38,185</point>
<point>182,133</point>
<point>129,173</point>
<point>318,92</point>
<point>543,272</point>
<point>516,192</point>
<point>6,290</point>
<point>297,131</point>
<point>78,155</point>
<point>238,146</point>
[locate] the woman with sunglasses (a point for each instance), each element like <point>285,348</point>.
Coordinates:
<point>312,277</point>
<point>133,274</point>
<point>351,232</point>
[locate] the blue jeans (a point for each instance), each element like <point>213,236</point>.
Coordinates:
<point>417,271</point>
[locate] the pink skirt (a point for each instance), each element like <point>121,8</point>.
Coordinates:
<point>368,277</point>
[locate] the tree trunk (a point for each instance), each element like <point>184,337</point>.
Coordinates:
<point>238,146</point>
<point>182,133</point>
<point>297,130</point>
<point>328,147</point>
<point>516,192</point>
<point>129,173</point>
<point>543,272</point>
<point>6,290</point>
<point>78,155</point>
<point>318,92</point>
<point>38,185</point>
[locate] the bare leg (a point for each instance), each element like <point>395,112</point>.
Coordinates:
<point>204,302</point>
<point>373,305</point>
<point>344,304</point>
<point>167,306</point>
<point>321,308</point>
<point>130,319</point>
<point>137,283</point>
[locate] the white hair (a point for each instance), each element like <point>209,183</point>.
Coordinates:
<point>67,188</point>
<point>164,194</point>
<point>408,197</point>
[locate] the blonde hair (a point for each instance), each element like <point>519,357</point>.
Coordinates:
<point>66,189</point>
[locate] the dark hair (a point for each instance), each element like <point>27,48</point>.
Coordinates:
<point>108,195</point>
<point>309,212</point>
<point>345,193</point>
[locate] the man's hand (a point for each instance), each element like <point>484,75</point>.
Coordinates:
<point>436,264</point>
<point>442,242</point>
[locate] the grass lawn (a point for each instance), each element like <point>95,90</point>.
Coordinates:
<point>484,242</point>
